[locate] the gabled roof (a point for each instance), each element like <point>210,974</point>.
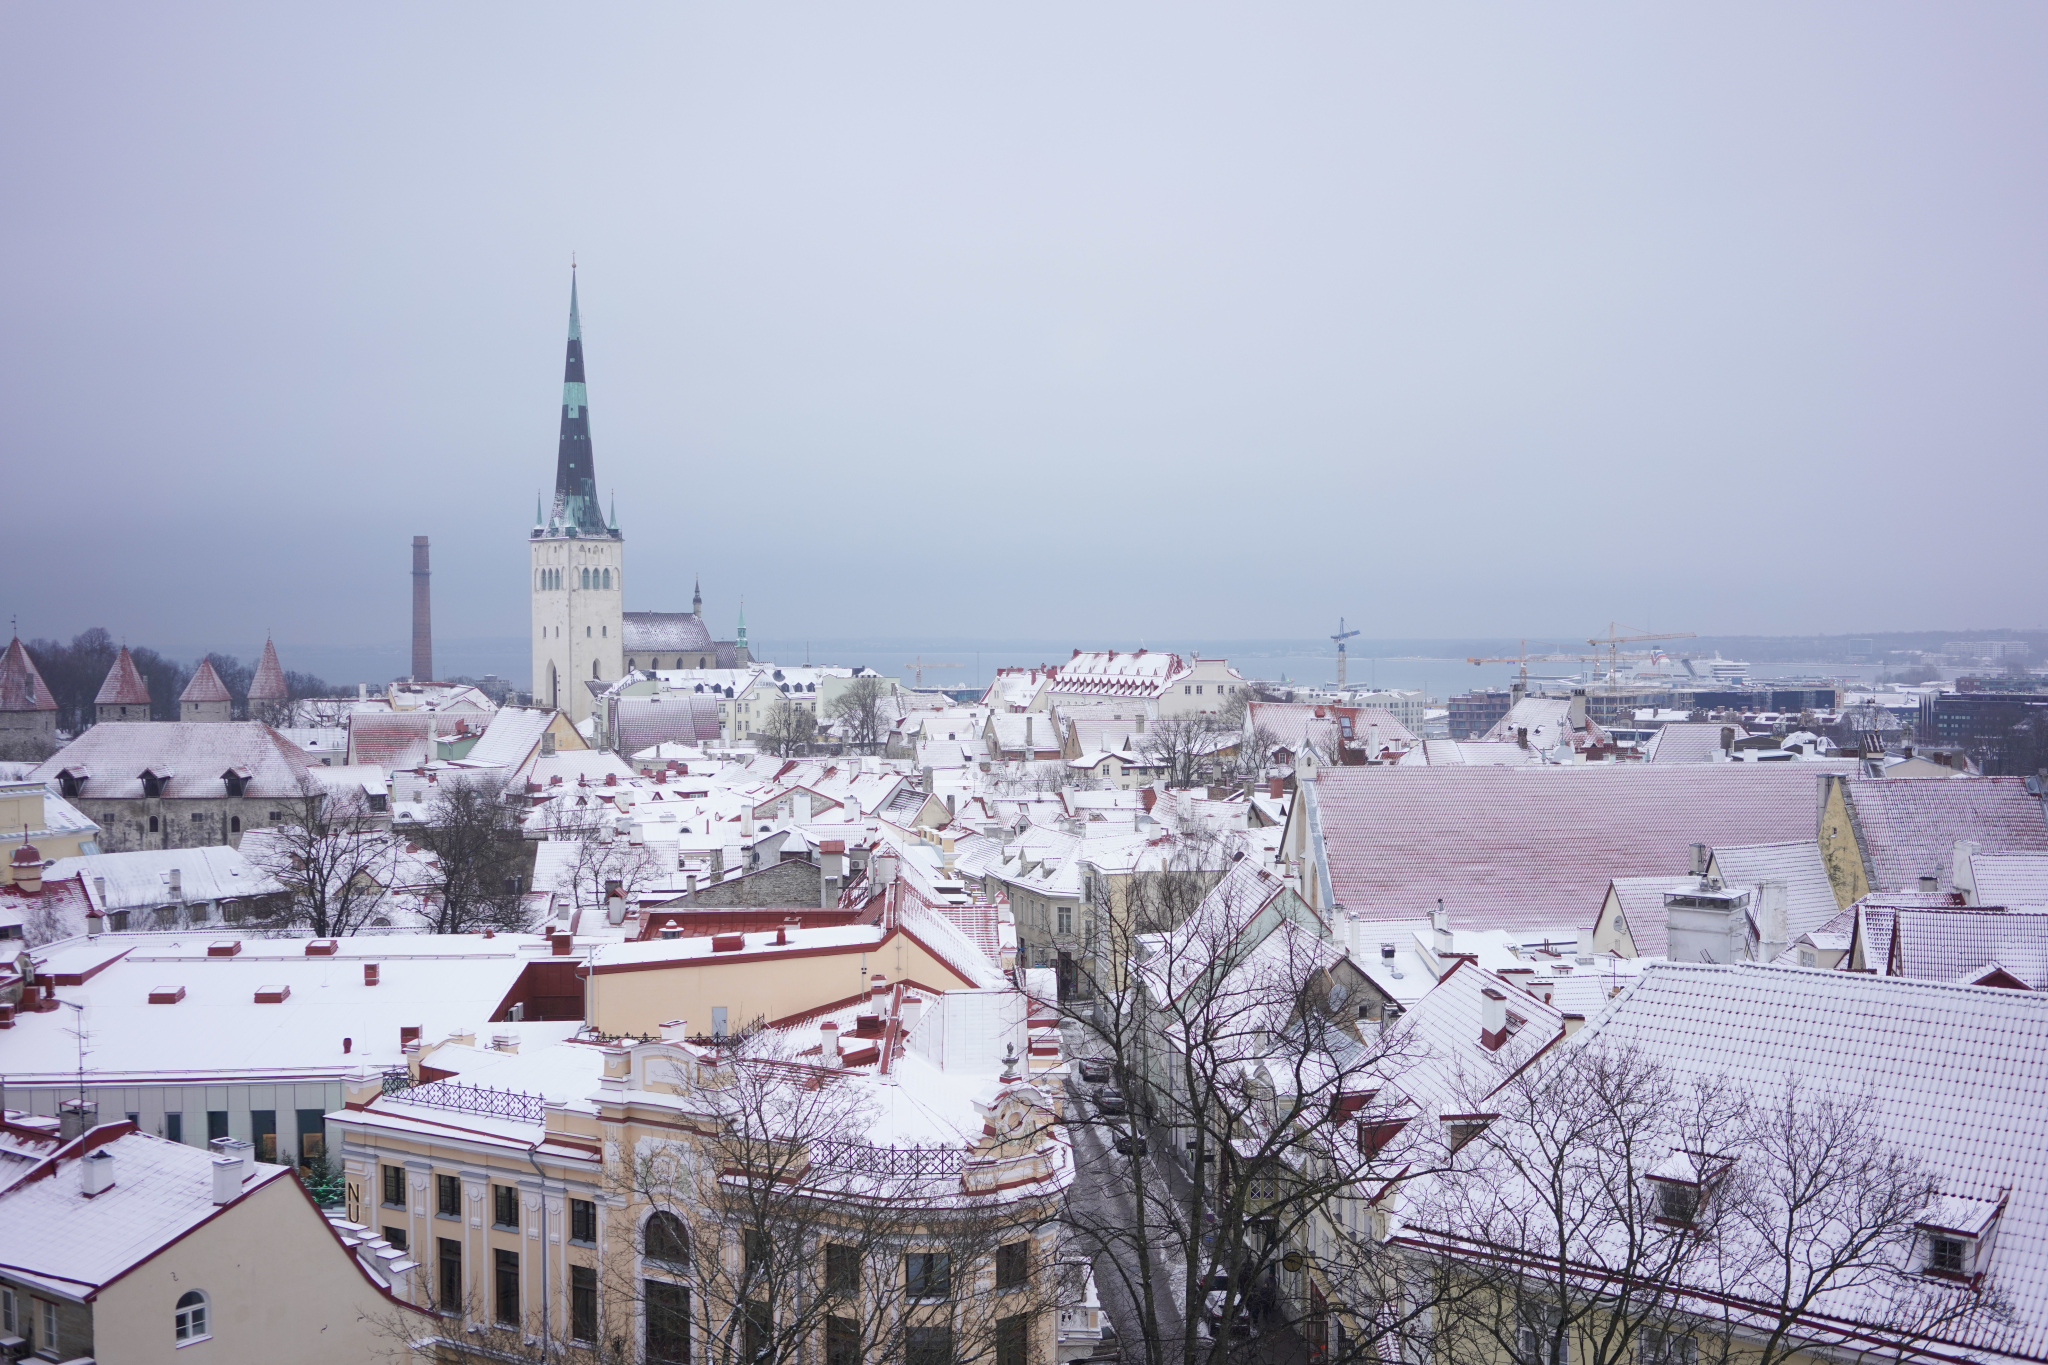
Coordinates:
<point>672,718</point>
<point>1961,946</point>
<point>1797,865</point>
<point>2011,879</point>
<point>205,685</point>
<point>191,757</point>
<point>665,632</point>
<point>21,687</point>
<point>1956,1076</point>
<point>1908,826</point>
<point>1689,741</point>
<point>124,685</point>
<point>1526,848</point>
<point>52,1234</point>
<point>269,683</point>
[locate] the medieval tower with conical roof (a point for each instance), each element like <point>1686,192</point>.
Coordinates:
<point>578,562</point>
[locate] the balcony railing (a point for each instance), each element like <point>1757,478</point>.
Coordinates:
<point>474,1099</point>
<point>895,1161</point>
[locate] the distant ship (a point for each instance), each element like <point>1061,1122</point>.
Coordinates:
<point>1727,670</point>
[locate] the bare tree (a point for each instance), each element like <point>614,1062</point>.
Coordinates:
<point>606,864</point>
<point>795,1234</point>
<point>332,856</point>
<point>787,727</point>
<point>1229,1044</point>
<point>472,829</point>
<point>1604,1212</point>
<point>1185,746</point>
<point>1823,1208</point>
<point>1585,1193</point>
<point>862,713</point>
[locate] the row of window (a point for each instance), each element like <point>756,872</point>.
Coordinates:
<point>553,580</point>
<point>312,1125</point>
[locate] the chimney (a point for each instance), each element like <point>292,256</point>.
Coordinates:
<point>1573,1023</point>
<point>878,986</point>
<point>1493,1019</point>
<point>1701,856</point>
<point>1962,873</point>
<point>227,1179</point>
<point>615,907</point>
<point>912,1011</point>
<point>561,944</point>
<point>1727,739</point>
<point>75,1117</point>
<point>1149,797</point>
<point>369,973</point>
<point>1585,945</point>
<point>828,1042</point>
<point>690,884</point>
<point>96,1173</point>
<point>1440,928</point>
<point>671,932</point>
<point>1030,747</point>
<point>1930,882</point>
<point>1772,921</point>
<point>422,615</point>
<point>1276,787</point>
<point>1577,712</point>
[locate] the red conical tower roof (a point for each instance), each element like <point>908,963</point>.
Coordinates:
<point>124,685</point>
<point>205,685</point>
<point>269,684</point>
<point>21,687</point>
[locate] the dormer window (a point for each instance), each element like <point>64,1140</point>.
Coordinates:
<point>237,780</point>
<point>1958,1235</point>
<point>71,781</point>
<point>1677,1202</point>
<point>153,782</point>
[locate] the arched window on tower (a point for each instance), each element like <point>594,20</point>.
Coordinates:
<point>593,671</point>
<point>607,578</point>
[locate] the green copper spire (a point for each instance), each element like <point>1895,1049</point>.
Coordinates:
<point>576,504</point>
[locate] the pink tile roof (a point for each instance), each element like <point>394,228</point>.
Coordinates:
<point>1525,848</point>
<point>21,687</point>
<point>268,684</point>
<point>205,685</point>
<point>124,685</point>
<point>1908,826</point>
<point>1961,945</point>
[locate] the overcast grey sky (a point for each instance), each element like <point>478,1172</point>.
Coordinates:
<point>1102,321</point>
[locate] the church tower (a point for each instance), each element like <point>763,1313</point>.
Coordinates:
<point>578,562</point>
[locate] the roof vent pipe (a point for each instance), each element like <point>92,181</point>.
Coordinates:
<point>1929,882</point>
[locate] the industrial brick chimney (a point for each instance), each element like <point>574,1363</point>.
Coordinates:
<point>422,614</point>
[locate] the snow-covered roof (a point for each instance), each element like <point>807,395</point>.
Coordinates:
<point>442,984</point>
<point>140,880</point>
<point>1957,1076</point>
<point>53,1236</point>
<point>192,757</point>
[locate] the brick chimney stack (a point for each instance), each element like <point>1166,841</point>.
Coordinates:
<point>422,614</point>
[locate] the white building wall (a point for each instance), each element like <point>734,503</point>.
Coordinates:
<point>578,631</point>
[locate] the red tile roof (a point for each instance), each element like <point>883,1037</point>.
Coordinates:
<point>1908,826</point>
<point>205,685</point>
<point>21,687</point>
<point>124,685</point>
<point>269,684</point>
<point>1525,848</point>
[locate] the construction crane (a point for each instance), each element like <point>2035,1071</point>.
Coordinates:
<point>1340,637</point>
<point>1521,659</point>
<point>918,665</point>
<point>1614,640</point>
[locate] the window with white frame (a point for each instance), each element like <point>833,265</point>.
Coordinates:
<point>191,1319</point>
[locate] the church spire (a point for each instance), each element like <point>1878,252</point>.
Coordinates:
<point>697,598</point>
<point>575,475</point>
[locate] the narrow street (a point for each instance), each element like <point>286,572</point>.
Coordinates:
<point>1102,1197</point>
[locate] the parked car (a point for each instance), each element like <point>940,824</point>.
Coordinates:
<point>1212,1307</point>
<point>1095,1070</point>
<point>1110,1102</point>
<point>1130,1143</point>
